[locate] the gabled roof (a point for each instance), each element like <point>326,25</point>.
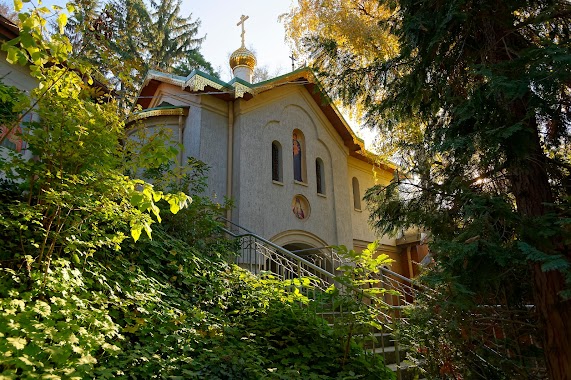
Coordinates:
<point>199,82</point>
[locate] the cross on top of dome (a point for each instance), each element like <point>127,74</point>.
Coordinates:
<point>242,21</point>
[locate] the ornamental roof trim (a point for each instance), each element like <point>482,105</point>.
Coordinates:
<point>158,111</point>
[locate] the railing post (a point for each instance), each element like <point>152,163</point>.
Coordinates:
<point>397,352</point>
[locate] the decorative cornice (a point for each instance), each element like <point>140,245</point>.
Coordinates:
<point>240,90</point>
<point>197,83</point>
<point>179,111</point>
<point>165,78</point>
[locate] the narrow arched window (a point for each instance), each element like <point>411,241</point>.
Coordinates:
<point>319,175</point>
<point>276,161</point>
<point>299,155</point>
<point>356,194</point>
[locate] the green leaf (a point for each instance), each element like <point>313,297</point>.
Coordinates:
<point>136,231</point>
<point>26,40</point>
<point>13,55</point>
<point>174,207</point>
<point>62,21</point>
<point>157,195</point>
<point>148,230</point>
<point>136,199</point>
<point>17,342</point>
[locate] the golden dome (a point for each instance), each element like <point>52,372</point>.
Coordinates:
<point>242,57</point>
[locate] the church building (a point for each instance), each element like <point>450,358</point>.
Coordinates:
<point>280,149</point>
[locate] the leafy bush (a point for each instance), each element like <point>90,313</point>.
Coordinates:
<point>161,309</point>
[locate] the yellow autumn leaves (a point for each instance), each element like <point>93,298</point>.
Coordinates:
<point>360,27</point>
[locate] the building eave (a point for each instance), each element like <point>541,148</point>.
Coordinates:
<point>8,30</point>
<point>157,112</point>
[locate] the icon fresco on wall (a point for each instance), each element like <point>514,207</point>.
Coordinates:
<point>297,159</point>
<point>300,207</point>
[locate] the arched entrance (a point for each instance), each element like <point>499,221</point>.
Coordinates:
<point>306,245</point>
<point>297,238</point>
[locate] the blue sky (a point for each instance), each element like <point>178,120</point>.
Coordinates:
<point>264,33</point>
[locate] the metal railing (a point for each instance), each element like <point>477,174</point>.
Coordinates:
<point>319,266</point>
<point>261,256</point>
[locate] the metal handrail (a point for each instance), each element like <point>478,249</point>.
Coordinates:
<point>298,265</point>
<point>392,306</point>
<point>281,250</point>
<point>393,280</point>
<point>385,271</point>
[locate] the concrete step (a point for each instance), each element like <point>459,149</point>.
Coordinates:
<point>408,371</point>
<point>378,339</point>
<point>389,353</point>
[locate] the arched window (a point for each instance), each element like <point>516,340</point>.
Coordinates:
<point>319,175</point>
<point>356,194</point>
<point>299,154</point>
<point>277,162</point>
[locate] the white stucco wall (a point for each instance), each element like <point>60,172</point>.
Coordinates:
<point>261,204</point>
<point>16,75</point>
<point>204,134</point>
<point>214,145</point>
<point>368,176</point>
<point>266,206</point>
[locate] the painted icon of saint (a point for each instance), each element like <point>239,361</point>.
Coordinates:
<point>298,210</point>
<point>297,159</point>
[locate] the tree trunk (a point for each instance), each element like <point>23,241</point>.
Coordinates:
<point>555,316</point>
<point>530,186</point>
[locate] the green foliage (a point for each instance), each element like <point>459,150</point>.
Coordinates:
<point>454,332</point>
<point>12,101</point>
<point>358,294</point>
<point>161,309</point>
<point>74,197</point>
<point>360,273</point>
<point>476,102</point>
<point>77,198</point>
<point>59,331</point>
<point>197,225</point>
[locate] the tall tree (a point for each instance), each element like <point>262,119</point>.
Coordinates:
<point>127,38</point>
<point>477,99</point>
<point>169,37</point>
<point>194,60</point>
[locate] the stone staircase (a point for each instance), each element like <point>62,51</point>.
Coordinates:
<point>382,343</point>
<point>261,256</point>
<point>319,269</point>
